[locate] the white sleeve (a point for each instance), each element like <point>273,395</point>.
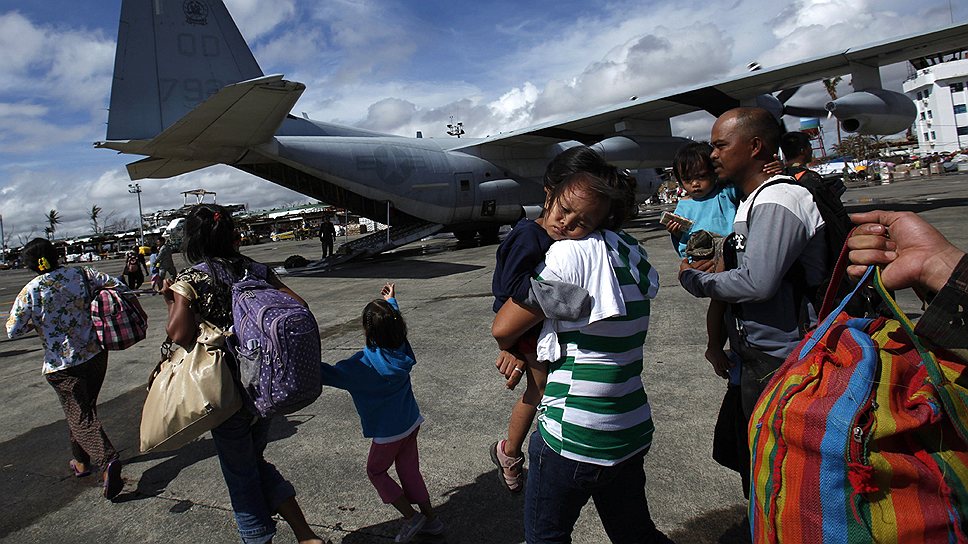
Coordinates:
<point>561,264</point>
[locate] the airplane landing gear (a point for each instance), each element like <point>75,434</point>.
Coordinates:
<point>489,235</point>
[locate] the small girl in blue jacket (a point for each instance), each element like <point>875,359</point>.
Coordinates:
<point>378,379</point>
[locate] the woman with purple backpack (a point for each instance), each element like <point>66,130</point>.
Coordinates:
<point>257,489</point>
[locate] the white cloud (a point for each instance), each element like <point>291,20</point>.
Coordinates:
<point>21,44</point>
<point>808,28</point>
<point>256,18</point>
<point>645,65</point>
<point>374,39</point>
<point>72,67</point>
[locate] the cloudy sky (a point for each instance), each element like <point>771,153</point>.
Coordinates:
<point>398,66</point>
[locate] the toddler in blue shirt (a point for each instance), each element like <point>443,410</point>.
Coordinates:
<point>711,206</point>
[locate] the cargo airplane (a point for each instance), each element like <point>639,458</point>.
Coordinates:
<point>187,93</point>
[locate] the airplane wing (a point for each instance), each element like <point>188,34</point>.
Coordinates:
<point>649,116</point>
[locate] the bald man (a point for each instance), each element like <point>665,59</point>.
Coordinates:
<point>777,227</point>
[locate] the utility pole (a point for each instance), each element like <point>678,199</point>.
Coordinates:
<point>136,188</point>
<point>3,242</point>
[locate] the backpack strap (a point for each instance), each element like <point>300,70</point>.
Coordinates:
<point>836,278</point>
<point>87,284</point>
<point>795,275</point>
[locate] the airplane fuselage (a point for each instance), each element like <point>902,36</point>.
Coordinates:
<point>417,177</point>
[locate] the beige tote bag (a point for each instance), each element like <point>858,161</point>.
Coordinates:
<point>190,392</point>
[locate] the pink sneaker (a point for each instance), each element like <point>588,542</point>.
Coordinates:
<point>511,471</point>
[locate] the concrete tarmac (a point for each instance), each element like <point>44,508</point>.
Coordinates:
<point>445,294</point>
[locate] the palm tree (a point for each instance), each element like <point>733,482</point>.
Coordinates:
<point>831,85</point>
<point>95,213</point>
<point>53,218</point>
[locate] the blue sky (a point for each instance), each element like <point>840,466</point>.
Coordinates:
<point>398,66</point>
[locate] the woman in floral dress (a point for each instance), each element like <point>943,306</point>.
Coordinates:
<point>56,304</point>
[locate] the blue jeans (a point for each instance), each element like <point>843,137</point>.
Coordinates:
<point>255,486</point>
<point>558,488</point>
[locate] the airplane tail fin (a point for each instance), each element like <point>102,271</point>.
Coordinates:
<point>171,56</point>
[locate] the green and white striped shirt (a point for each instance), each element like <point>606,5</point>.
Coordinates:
<point>595,409</point>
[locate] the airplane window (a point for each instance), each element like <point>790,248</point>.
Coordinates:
<point>960,108</point>
<point>957,87</point>
<point>920,96</point>
<point>465,184</point>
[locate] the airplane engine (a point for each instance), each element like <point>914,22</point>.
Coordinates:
<point>874,111</point>
<point>499,200</point>
<point>636,152</point>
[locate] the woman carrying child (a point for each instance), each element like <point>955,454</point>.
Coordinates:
<point>594,422</point>
<point>256,488</point>
<point>378,379</point>
<point>518,257</point>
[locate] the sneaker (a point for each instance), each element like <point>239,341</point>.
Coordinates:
<point>411,527</point>
<point>434,527</point>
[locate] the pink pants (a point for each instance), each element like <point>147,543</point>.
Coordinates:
<point>403,454</point>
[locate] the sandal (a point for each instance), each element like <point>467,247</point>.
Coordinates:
<point>78,473</point>
<point>511,472</point>
<point>113,484</point>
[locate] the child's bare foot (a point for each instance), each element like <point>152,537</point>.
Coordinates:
<point>80,469</point>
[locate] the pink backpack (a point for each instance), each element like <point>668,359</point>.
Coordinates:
<point>119,320</point>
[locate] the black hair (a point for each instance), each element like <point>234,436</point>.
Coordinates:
<point>794,144</point>
<point>209,236</point>
<point>692,160</point>
<point>760,123</point>
<point>37,249</point>
<point>618,190</point>
<point>383,325</point>
<point>607,180</point>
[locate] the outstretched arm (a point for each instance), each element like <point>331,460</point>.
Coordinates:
<point>277,283</point>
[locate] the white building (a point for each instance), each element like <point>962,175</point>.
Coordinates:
<point>939,93</point>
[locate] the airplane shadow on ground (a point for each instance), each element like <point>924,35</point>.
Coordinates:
<point>917,207</point>
<point>37,481</point>
<point>388,267</point>
<point>481,511</point>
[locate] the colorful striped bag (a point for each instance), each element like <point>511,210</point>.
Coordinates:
<point>861,436</point>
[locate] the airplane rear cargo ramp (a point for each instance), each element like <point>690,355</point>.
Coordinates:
<point>370,245</point>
